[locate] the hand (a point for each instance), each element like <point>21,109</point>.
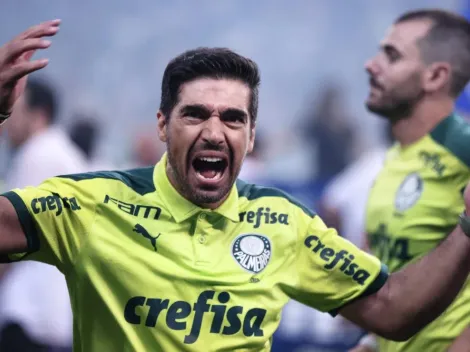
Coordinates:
<point>15,62</point>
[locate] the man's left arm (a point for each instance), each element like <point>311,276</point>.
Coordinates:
<point>462,342</point>
<point>333,275</point>
<point>416,295</point>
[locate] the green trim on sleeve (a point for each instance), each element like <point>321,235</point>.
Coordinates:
<point>375,286</point>
<point>26,220</point>
<point>453,133</point>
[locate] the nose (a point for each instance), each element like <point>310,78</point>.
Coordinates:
<point>213,132</point>
<point>371,66</point>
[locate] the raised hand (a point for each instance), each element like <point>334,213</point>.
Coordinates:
<point>16,64</point>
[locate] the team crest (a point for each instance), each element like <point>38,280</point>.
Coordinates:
<point>252,252</point>
<point>409,192</point>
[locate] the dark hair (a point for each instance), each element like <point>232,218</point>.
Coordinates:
<point>212,63</point>
<point>447,40</point>
<point>84,132</point>
<point>41,95</point>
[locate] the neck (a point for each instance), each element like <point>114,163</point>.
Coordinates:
<point>33,131</point>
<point>425,116</point>
<point>38,130</point>
<point>38,125</point>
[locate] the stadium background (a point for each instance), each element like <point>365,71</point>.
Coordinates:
<point>108,59</point>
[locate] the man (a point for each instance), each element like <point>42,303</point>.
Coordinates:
<point>34,302</point>
<point>423,65</point>
<point>182,256</point>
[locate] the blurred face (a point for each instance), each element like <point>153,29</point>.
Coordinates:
<point>208,136</point>
<point>396,72</point>
<point>18,125</point>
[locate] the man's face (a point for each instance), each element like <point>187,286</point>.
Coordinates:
<point>396,71</point>
<point>208,136</point>
<point>18,125</point>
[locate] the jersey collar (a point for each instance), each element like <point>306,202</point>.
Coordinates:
<point>179,207</point>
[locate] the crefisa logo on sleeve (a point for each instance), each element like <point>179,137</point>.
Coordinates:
<point>252,252</point>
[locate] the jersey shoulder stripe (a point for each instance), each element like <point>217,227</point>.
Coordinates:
<point>139,180</point>
<point>252,192</point>
<point>454,134</point>
<point>26,220</point>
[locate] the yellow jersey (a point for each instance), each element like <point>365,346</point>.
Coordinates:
<point>149,271</point>
<point>414,204</point>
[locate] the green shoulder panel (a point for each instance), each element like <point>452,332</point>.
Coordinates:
<point>140,180</point>
<point>252,192</point>
<point>453,133</point>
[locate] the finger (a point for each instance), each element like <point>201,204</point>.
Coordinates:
<point>28,55</point>
<point>22,69</point>
<point>18,48</point>
<point>44,29</point>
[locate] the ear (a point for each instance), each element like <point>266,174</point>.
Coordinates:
<point>251,141</point>
<point>161,126</point>
<point>437,76</point>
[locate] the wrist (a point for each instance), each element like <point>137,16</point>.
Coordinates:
<point>464,222</point>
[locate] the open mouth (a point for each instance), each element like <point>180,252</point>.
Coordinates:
<point>374,84</point>
<point>210,168</point>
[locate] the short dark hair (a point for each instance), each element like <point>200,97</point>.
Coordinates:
<point>41,95</point>
<point>84,132</point>
<point>447,40</point>
<point>212,63</point>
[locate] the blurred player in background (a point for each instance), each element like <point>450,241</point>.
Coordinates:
<point>344,200</point>
<point>85,132</point>
<point>146,150</point>
<point>35,313</point>
<point>422,66</point>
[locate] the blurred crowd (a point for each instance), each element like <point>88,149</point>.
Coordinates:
<point>324,158</point>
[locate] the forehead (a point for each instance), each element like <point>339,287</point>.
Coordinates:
<point>404,35</point>
<point>215,93</point>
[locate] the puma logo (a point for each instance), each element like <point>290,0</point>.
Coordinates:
<point>141,230</point>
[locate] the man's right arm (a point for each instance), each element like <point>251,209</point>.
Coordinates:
<point>12,237</point>
<point>15,65</point>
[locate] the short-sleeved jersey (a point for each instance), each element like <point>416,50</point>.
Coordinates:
<point>149,271</point>
<point>413,205</point>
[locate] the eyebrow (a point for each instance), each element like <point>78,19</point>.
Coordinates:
<point>202,109</point>
<point>234,112</point>
<point>390,48</point>
<point>194,108</point>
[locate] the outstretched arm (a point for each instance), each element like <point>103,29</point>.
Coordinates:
<point>462,342</point>
<point>417,294</point>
